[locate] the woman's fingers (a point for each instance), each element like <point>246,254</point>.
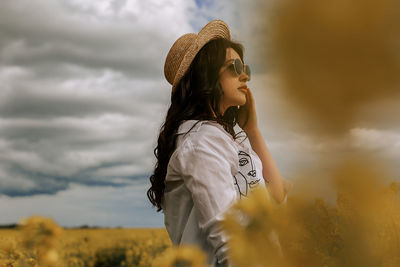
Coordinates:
<point>251,95</point>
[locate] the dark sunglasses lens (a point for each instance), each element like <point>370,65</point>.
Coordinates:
<point>238,66</point>
<point>247,71</point>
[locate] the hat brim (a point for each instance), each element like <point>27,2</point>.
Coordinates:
<point>213,30</point>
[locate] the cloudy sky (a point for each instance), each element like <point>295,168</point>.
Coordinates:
<point>83,95</point>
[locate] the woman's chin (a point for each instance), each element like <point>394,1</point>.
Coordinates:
<point>242,100</point>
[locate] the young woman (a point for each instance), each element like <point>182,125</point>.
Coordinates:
<point>202,168</point>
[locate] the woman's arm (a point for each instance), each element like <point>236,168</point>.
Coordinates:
<point>205,162</point>
<point>247,120</point>
<point>270,169</point>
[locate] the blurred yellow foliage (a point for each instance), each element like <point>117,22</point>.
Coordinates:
<point>361,229</point>
<point>182,256</point>
<point>333,57</point>
<point>40,242</point>
<point>40,237</point>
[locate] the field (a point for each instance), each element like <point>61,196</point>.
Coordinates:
<point>361,228</point>
<point>81,247</point>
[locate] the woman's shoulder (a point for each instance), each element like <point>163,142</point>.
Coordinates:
<point>206,133</point>
<point>201,141</point>
<point>204,129</point>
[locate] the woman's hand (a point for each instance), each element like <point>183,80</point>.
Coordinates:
<point>247,118</point>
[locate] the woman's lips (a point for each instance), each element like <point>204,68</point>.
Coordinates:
<point>243,88</point>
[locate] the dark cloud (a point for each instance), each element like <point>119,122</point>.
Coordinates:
<point>82,92</point>
<point>82,205</point>
<point>28,105</point>
<point>50,36</point>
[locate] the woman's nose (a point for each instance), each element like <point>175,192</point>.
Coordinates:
<point>243,77</point>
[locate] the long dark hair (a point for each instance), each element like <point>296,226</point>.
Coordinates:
<point>196,97</point>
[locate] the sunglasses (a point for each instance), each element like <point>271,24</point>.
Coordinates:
<point>237,67</point>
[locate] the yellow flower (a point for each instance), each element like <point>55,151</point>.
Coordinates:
<point>182,256</point>
<point>40,235</point>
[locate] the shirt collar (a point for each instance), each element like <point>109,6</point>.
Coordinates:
<point>186,125</point>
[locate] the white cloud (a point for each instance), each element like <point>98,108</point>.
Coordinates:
<point>82,95</point>
<point>385,142</point>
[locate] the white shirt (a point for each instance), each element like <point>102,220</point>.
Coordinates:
<point>206,174</point>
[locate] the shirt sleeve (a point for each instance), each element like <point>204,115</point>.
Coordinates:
<point>206,168</point>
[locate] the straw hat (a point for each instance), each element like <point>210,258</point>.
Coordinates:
<point>184,50</point>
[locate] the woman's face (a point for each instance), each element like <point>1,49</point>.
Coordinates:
<point>231,83</point>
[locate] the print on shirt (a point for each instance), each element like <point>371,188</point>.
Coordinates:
<point>246,178</point>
